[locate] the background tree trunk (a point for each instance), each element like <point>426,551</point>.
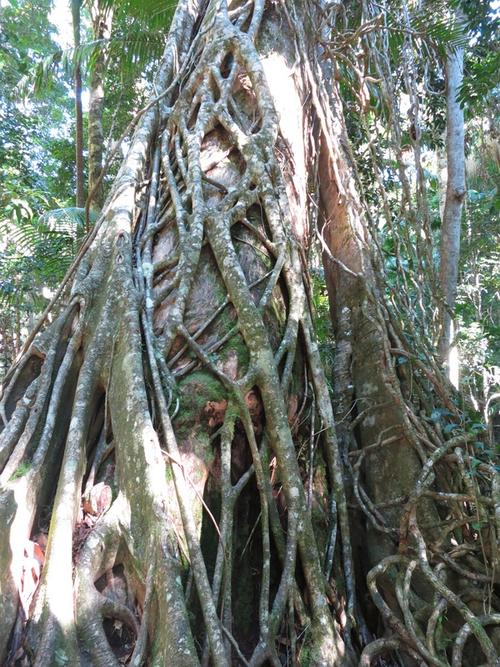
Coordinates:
<point>452,214</point>
<point>79,165</point>
<point>101,29</point>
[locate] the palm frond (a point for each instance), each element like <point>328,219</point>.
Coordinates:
<point>133,49</point>
<point>439,26</point>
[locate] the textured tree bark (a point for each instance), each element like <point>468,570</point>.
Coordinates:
<point>370,411</point>
<point>452,214</point>
<point>384,444</point>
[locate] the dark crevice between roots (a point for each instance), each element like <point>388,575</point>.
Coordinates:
<point>30,371</point>
<point>116,586</point>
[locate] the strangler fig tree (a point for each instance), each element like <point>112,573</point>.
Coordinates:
<point>170,468</point>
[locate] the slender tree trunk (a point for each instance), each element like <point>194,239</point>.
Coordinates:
<point>101,29</point>
<point>452,214</point>
<point>79,166</point>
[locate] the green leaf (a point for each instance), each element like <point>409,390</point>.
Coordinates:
<point>478,427</point>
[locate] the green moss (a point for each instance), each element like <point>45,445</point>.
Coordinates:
<point>305,656</point>
<point>197,389</point>
<point>20,471</point>
<point>194,392</point>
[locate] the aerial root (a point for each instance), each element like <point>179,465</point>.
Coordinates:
<point>466,551</point>
<point>386,645</point>
<point>100,553</point>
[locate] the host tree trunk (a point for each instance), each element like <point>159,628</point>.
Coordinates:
<point>172,486</point>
